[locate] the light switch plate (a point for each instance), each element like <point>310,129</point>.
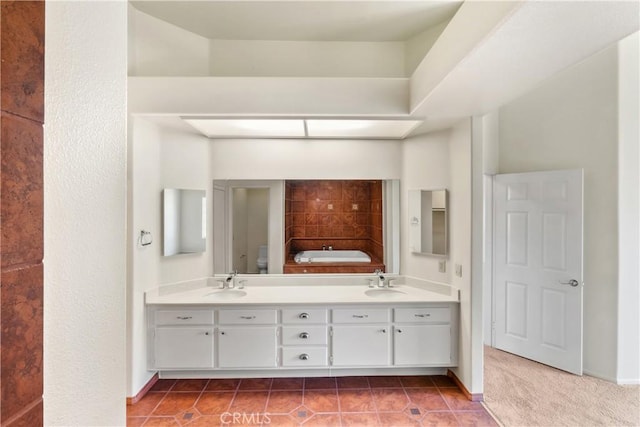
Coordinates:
<point>458,270</point>
<point>442,266</point>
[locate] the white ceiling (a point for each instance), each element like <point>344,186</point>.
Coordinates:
<point>331,20</point>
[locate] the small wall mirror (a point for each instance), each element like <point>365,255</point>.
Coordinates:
<point>184,221</point>
<point>428,221</point>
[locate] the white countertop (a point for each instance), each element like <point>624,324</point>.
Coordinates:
<point>208,293</point>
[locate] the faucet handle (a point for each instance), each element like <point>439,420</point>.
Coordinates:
<point>241,283</point>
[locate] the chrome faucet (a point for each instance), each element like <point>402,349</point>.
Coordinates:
<point>230,281</point>
<point>381,283</point>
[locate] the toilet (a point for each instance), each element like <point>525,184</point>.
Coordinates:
<point>263,259</point>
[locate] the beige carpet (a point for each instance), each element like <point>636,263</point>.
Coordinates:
<point>520,392</point>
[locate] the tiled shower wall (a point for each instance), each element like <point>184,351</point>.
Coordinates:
<point>21,211</point>
<point>346,214</point>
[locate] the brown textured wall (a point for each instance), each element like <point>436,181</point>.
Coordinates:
<point>21,211</point>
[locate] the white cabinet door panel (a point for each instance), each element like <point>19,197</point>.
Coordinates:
<point>183,348</point>
<point>247,347</point>
<point>361,345</point>
<point>422,345</point>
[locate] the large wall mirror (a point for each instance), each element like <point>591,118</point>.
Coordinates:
<point>184,221</point>
<point>428,222</point>
<point>260,225</point>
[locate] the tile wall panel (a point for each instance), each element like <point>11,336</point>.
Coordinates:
<point>22,51</point>
<point>21,190</point>
<point>21,211</point>
<point>21,320</point>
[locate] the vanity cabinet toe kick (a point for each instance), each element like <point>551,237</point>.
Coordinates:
<point>218,341</point>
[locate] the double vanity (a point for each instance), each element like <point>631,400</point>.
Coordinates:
<point>283,325</point>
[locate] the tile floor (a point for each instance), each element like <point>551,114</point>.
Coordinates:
<point>341,401</point>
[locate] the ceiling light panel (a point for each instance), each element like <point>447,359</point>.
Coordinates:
<point>380,129</point>
<point>249,128</point>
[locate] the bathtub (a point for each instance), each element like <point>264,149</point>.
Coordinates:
<point>331,256</point>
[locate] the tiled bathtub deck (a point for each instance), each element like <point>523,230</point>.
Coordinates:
<point>343,401</point>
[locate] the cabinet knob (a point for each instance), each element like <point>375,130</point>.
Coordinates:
<point>399,331</point>
<point>222,333</point>
<point>206,333</point>
<point>384,331</point>
<point>304,315</point>
<point>304,335</point>
<point>304,356</point>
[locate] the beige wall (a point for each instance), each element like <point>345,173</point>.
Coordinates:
<point>570,122</point>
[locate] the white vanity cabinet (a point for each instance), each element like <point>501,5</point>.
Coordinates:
<point>333,340</point>
<point>361,337</point>
<point>247,338</point>
<point>183,339</point>
<point>422,336</point>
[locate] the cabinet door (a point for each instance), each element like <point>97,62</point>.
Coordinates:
<point>361,345</point>
<point>247,347</point>
<point>422,345</point>
<point>183,347</point>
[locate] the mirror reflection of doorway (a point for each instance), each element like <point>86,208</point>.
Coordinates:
<point>250,227</point>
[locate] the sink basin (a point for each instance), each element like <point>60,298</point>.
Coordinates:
<point>384,293</point>
<point>226,294</point>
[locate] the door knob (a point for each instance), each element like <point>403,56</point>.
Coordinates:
<point>572,282</point>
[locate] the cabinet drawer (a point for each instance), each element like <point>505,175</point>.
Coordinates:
<point>304,356</point>
<point>422,315</point>
<point>365,315</point>
<point>184,317</point>
<point>304,315</point>
<point>248,317</point>
<point>301,335</point>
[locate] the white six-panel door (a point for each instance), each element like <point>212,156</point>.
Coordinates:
<point>538,267</point>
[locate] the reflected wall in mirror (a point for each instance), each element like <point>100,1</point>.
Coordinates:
<point>428,221</point>
<point>250,230</point>
<point>184,221</point>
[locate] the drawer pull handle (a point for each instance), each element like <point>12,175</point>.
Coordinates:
<point>304,356</point>
<point>304,335</point>
<point>248,317</point>
<point>360,316</point>
<point>185,317</point>
<point>423,315</point>
<point>304,315</point>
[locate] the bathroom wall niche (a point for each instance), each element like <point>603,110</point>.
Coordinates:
<point>184,221</point>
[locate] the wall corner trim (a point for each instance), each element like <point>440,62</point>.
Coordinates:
<point>135,399</point>
<point>474,397</point>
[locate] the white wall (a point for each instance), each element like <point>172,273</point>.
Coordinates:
<point>460,252</point>
<point>425,166</point>
<point>305,159</point>
<point>159,158</point>
<point>629,211</point>
<point>157,48</point>
<point>143,270</point>
<point>276,58</point>
<point>85,213</point>
<point>571,122</point>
